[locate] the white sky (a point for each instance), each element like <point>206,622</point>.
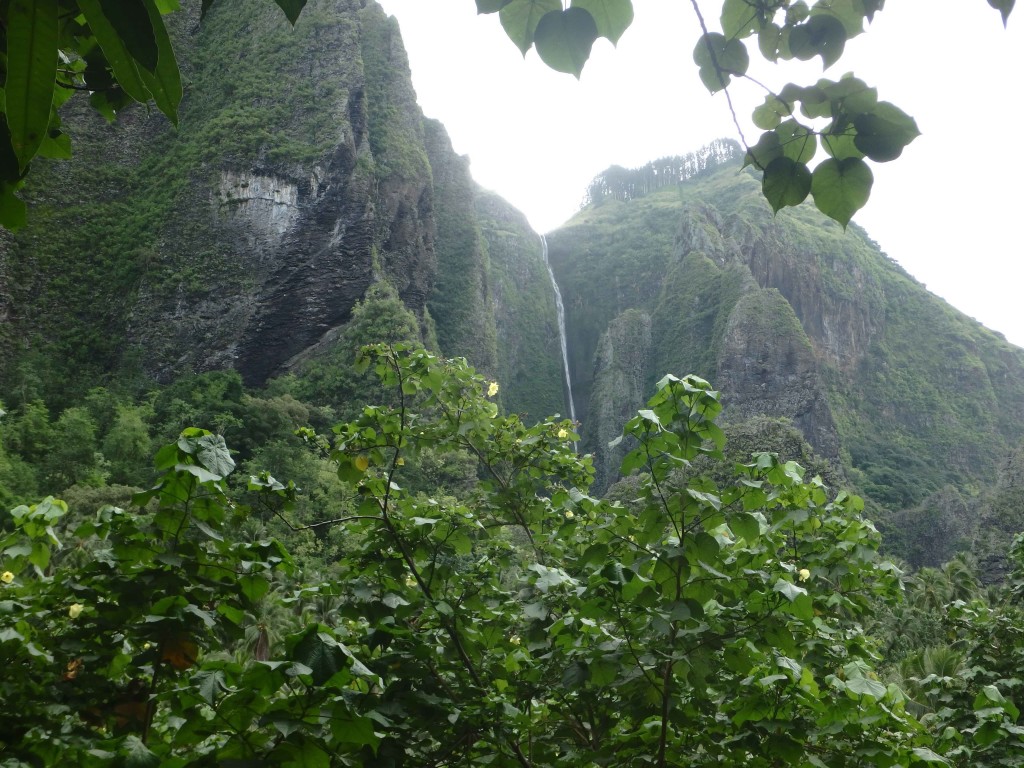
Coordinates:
<point>947,210</point>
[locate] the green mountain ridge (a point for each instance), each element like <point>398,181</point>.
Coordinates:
<point>790,317</point>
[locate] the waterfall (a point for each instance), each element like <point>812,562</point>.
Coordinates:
<point>561,326</point>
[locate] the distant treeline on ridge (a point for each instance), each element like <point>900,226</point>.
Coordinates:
<point>621,183</point>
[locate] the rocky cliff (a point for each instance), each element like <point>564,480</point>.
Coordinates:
<point>790,317</point>
<point>301,173</point>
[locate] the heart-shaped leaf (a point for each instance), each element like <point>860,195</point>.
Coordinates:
<point>841,187</point>
<point>786,182</point>
<point>564,39</point>
<point>612,17</point>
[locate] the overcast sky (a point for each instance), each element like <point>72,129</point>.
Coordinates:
<point>949,210</point>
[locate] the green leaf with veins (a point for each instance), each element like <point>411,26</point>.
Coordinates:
<point>884,133</point>
<point>770,113</point>
<point>841,187</point>
<point>768,148</point>
<point>851,94</point>
<point>122,64</point>
<point>740,18</point>
<point>520,19</point>
<point>564,39</point>
<point>797,141</point>
<point>131,22</point>
<point>770,42</point>
<point>612,17</point>
<point>850,13</point>
<point>719,58</point>
<point>840,145</point>
<point>31,69</point>
<point>785,182</point>
<point>164,83</point>
<point>822,36</point>
<point>814,102</point>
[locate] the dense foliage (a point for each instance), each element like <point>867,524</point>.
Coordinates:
<point>505,619</point>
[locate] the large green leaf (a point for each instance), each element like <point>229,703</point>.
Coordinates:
<point>719,59</point>
<point>883,133</point>
<point>841,187</point>
<point>31,73</point>
<point>564,39</point>
<point>137,755</point>
<point>771,112</point>
<point>520,19</point>
<point>612,17</point>
<point>320,652</point>
<point>131,22</point>
<point>164,83</point>
<point>740,18</point>
<point>850,13</point>
<point>840,145</point>
<point>122,64</point>
<point>767,148</point>
<point>214,454</point>
<point>13,212</point>
<point>786,182</point>
<point>291,8</point>
<point>798,142</point>
<point>1004,7</point>
<point>864,686</point>
<point>823,36</point>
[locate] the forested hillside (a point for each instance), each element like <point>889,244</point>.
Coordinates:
<point>790,317</point>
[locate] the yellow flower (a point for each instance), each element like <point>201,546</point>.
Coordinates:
<point>7,577</point>
<point>400,462</point>
<point>492,390</point>
<point>562,434</point>
<point>515,640</point>
<point>362,463</point>
<point>75,610</point>
<point>569,514</point>
<point>804,574</point>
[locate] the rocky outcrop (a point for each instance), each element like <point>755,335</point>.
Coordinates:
<point>529,356</point>
<point>620,376</point>
<point>767,366</point>
<point>460,302</point>
<point>297,177</point>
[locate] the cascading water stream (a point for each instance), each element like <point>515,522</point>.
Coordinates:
<point>561,327</point>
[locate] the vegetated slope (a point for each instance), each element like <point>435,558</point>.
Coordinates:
<point>302,172</point>
<point>789,316</point>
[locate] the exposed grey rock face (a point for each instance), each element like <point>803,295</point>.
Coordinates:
<point>297,177</point>
<point>767,366</point>
<point>528,353</point>
<point>620,375</point>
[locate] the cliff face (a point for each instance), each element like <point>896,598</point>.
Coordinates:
<point>789,317</point>
<point>301,173</point>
